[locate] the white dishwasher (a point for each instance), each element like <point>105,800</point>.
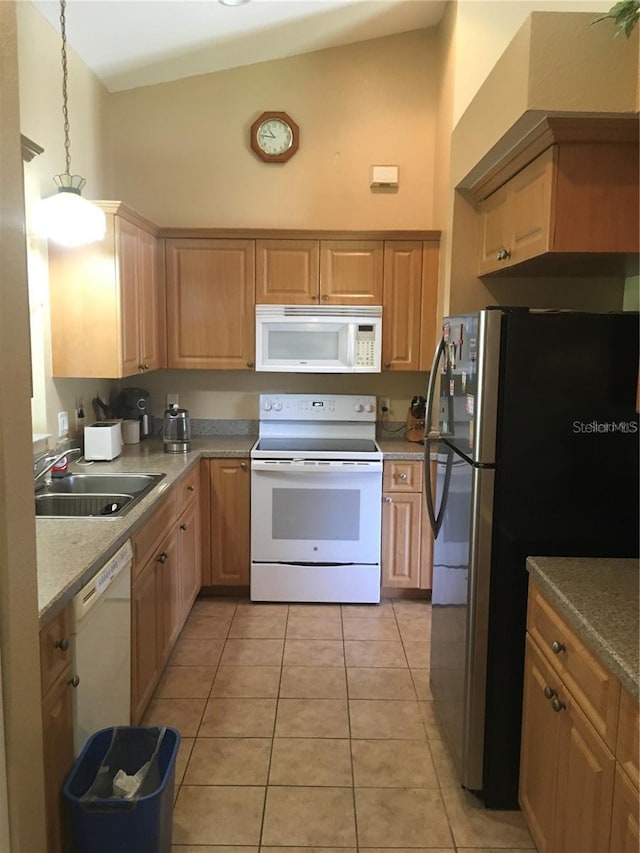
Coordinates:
<point>101,638</point>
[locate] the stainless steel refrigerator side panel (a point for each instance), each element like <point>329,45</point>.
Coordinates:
<point>477,627</point>
<point>486,403</point>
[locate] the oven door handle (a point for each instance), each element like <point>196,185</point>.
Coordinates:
<point>300,467</point>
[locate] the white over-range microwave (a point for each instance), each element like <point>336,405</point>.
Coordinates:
<point>319,338</point>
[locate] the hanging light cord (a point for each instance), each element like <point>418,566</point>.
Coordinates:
<point>65,109</point>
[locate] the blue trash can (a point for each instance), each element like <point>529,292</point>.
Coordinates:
<point>103,823</point>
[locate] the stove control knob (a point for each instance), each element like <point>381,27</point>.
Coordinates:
<point>277,407</point>
<point>359,407</point>
<point>266,406</point>
<point>369,408</point>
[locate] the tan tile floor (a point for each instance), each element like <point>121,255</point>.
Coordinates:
<point>310,728</point>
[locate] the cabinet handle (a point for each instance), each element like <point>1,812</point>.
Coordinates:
<point>503,255</point>
<point>402,476</point>
<point>73,682</point>
<point>183,526</point>
<point>62,644</point>
<point>146,366</point>
<point>162,558</point>
<point>191,488</point>
<point>324,297</point>
<point>249,364</point>
<point>243,465</point>
<point>388,500</point>
<point>141,367</point>
<point>549,692</point>
<point>557,647</point>
<point>557,704</point>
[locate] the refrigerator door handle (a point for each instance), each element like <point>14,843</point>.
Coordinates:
<point>431,386</point>
<point>436,520</point>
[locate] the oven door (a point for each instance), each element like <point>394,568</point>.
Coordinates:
<point>315,511</point>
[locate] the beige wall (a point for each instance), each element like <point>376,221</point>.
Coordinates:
<point>484,29</point>
<point>41,120</point>
<point>19,650</point>
<point>182,156</point>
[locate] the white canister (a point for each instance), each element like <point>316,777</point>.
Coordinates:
<point>131,431</point>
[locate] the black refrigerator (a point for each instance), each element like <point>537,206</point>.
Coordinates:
<point>535,453</point>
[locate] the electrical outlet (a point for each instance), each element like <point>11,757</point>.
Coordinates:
<point>63,424</point>
<point>172,399</point>
<point>384,404</point>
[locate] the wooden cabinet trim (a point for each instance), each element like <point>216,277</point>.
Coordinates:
<point>146,538</point>
<point>627,744</point>
<point>292,234</point>
<point>402,476</point>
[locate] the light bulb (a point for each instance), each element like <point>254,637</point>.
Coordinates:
<point>69,219</point>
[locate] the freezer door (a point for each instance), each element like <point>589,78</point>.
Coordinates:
<point>469,383</point>
<point>460,608</point>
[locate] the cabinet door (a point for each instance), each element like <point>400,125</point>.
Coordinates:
<point>585,783</point>
<point>531,208</point>
<point>210,304</point>
<point>287,272</point>
<point>538,758</point>
<point>127,260</point>
<point>170,591</point>
<point>401,539</point>
<point>351,271</point>
<point>151,303</point>
<point>230,490</point>
<point>189,548</point>
<point>625,834</point>
<point>495,230</point>
<point>402,304</point>
<point>57,724</point>
<point>145,640</point>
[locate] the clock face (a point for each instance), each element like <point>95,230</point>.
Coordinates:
<point>274,137</point>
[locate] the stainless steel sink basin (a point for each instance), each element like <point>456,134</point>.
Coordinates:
<point>94,495</point>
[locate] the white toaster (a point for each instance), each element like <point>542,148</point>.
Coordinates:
<point>103,440</point>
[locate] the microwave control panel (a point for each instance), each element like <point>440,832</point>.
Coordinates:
<point>365,346</point>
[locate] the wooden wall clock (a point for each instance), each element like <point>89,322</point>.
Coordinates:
<point>275,137</point>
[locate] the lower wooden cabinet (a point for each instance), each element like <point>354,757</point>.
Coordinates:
<point>574,793</point>
<point>57,724</point>
<point>165,585</point>
<point>229,540</point>
<point>407,542</point>
<point>625,834</point>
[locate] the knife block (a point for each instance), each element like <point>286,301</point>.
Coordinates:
<point>415,428</point>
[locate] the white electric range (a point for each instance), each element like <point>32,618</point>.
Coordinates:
<point>316,500</point>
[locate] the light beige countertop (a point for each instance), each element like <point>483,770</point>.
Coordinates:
<point>400,448</point>
<point>70,551</point>
<point>598,597</point>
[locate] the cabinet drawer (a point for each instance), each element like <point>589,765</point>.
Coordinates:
<point>402,477</point>
<point>187,488</point>
<point>627,746</point>
<point>596,690</point>
<point>147,538</point>
<point>55,648</point>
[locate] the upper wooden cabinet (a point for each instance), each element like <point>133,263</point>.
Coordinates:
<point>574,199</point>
<point>210,303</point>
<point>107,301</point>
<point>409,304</point>
<point>300,272</point>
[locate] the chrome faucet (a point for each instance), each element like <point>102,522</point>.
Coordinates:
<point>50,461</point>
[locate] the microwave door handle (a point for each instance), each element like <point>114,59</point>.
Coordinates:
<point>351,345</point>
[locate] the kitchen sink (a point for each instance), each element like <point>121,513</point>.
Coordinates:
<point>94,495</point>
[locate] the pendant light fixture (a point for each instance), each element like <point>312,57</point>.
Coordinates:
<point>66,217</point>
